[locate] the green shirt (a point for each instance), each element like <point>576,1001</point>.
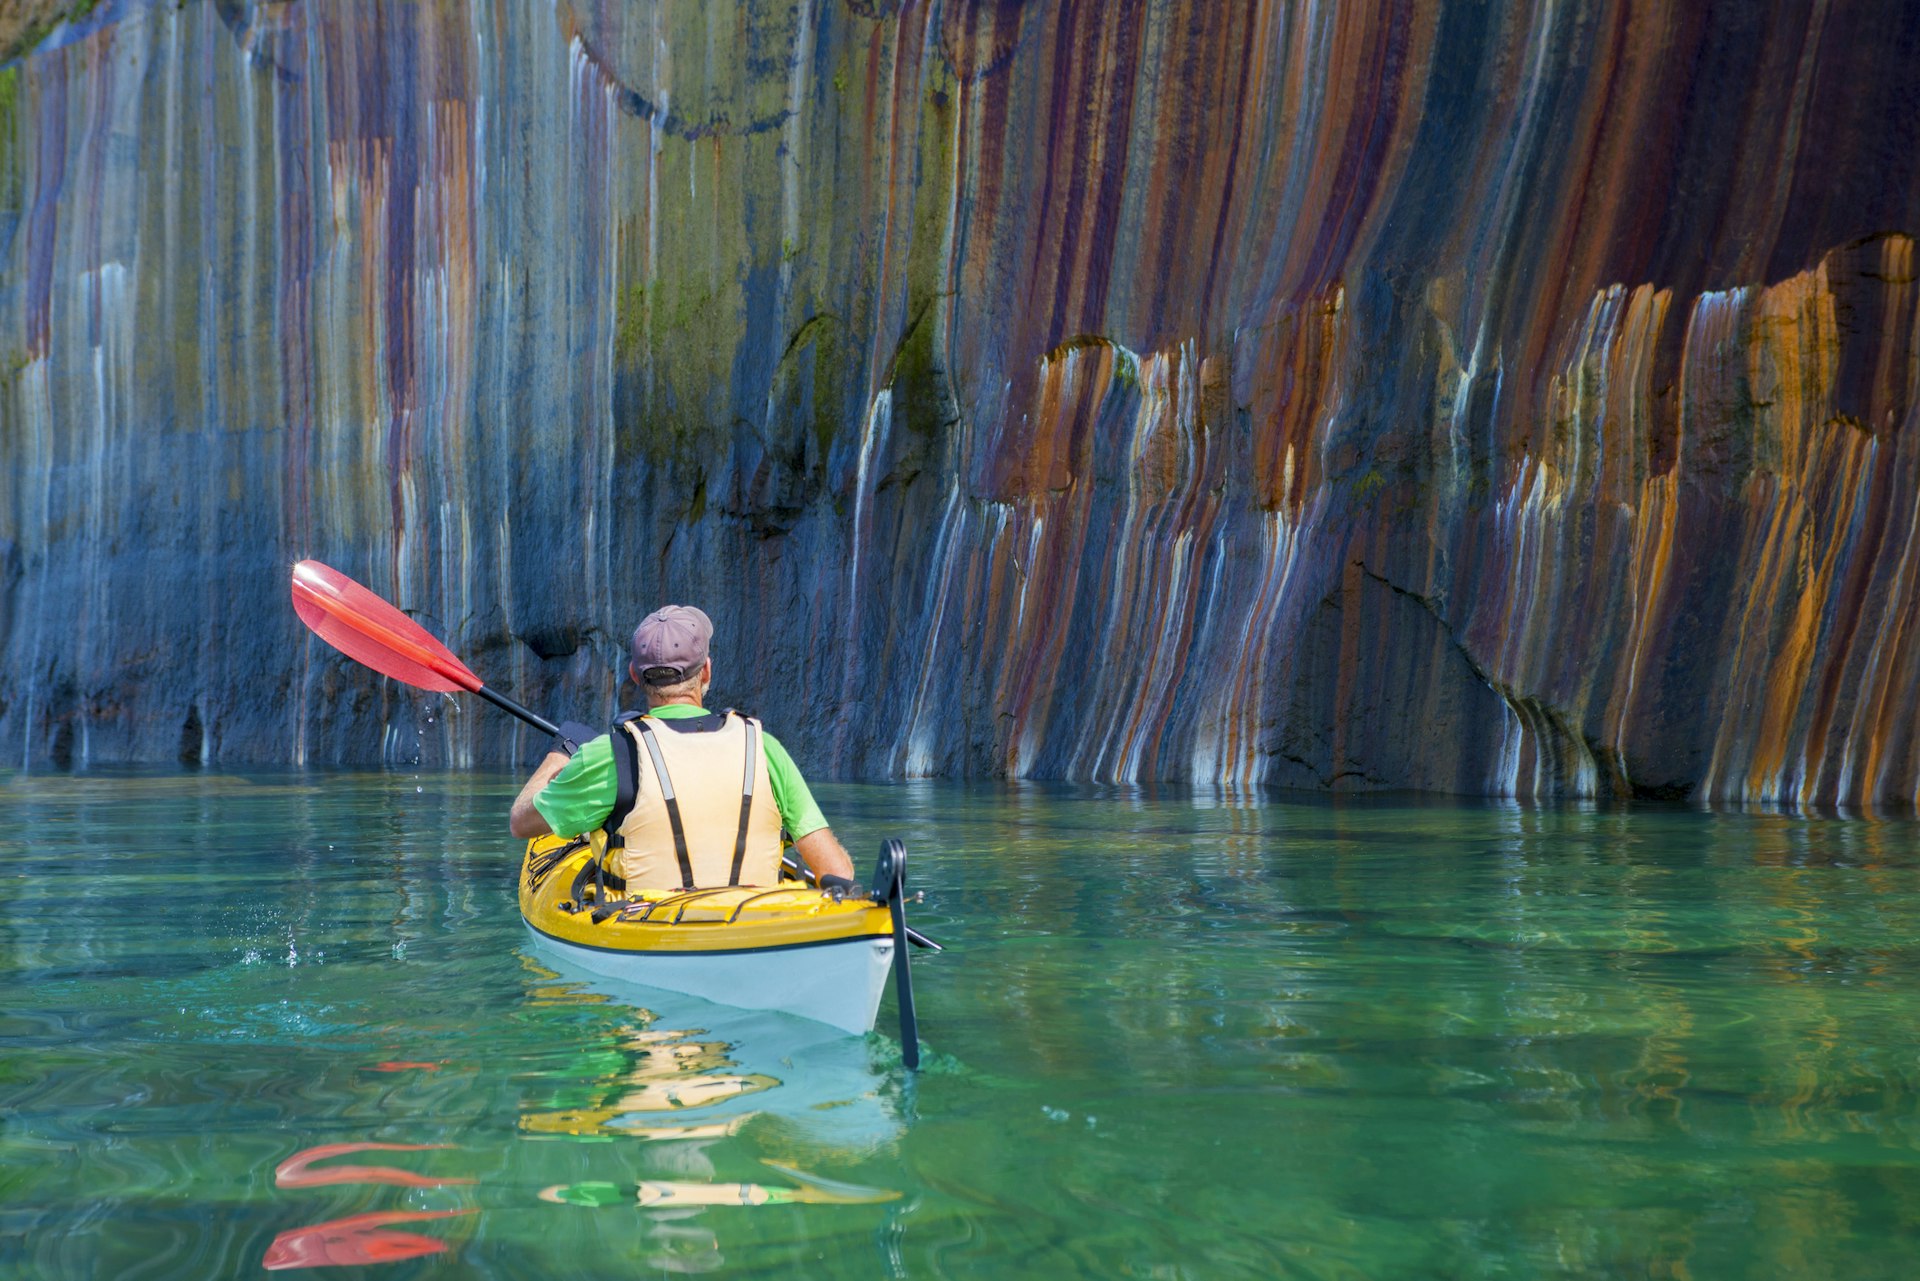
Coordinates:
<point>581,796</point>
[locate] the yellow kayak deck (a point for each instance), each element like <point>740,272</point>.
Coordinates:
<point>740,918</point>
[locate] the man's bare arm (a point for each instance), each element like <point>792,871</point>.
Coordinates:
<point>824,854</point>
<point>524,821</point>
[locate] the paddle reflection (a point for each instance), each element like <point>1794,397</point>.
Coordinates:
<point>297,1172</point>
<point>356,1239</point>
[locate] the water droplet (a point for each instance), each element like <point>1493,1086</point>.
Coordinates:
<point>418,788</point>
<point>1056,1114</point>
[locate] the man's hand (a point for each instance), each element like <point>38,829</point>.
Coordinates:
<point>838,887</point>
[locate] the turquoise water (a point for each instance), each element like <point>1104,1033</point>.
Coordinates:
<point>1171,1037</point>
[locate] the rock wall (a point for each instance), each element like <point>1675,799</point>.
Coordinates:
<point>1505,397</point>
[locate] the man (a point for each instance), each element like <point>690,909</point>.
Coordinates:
<point>709,793</point>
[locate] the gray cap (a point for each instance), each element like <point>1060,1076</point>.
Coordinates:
<point>669,643</point>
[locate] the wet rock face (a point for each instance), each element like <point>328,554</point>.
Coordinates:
<point>1506,398</point>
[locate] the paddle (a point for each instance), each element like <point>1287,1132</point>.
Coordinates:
<point>368,630</point>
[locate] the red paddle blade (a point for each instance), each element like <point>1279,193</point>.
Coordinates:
<point>365,628</point>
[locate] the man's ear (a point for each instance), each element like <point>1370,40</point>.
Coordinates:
<point>633,673</point>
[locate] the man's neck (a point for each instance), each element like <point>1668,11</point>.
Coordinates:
<point>677,700</point>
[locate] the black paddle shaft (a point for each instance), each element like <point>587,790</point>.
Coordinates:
<point>892,874</point>
<point>506,704</point>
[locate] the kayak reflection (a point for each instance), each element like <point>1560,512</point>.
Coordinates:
<point>706,1086</point>
<point>687,1069</point>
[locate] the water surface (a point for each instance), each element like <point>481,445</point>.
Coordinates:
<point>1173,1036</point>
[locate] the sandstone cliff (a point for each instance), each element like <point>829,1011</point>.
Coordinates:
<point>1504,397</point>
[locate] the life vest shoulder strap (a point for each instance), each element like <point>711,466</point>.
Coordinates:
<point>626,778</point>
<point>746,794</point>
<point>626,789</point>
<point>672,802</point>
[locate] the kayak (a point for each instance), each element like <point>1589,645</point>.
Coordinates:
<point>788,947</point>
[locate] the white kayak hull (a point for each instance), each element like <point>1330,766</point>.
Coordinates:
<point>838,983</point>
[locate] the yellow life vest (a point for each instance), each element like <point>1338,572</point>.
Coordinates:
<point>703,811</point>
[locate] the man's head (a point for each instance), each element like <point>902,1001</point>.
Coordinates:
<point>670,652</point>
